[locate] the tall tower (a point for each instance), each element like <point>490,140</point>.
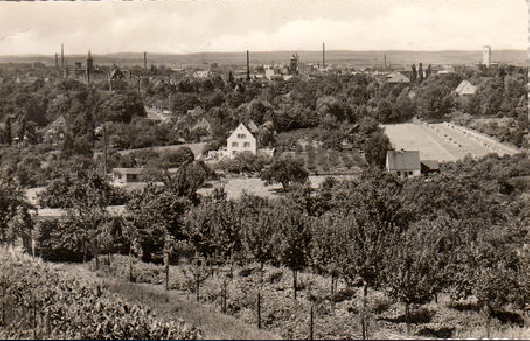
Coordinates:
<point>145,60</point>
<point>293,65</point>
<point>486,56</point>
<point>89,67</point>
<point>323,56</point>
<point>56,61</point>
<point>62,56</point>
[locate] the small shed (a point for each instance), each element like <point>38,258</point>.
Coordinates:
<point>124,176</point>
<point>403,163</point>
<point>430,166</point>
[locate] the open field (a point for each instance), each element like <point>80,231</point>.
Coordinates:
<point>443,142</point>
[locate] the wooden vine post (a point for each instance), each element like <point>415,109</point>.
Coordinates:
<point>259,309</point>
<point>199,266</point>
<point>3,322</point>
<point>136,247</point>
<point>34,316</point>
<point>312,300</point>
<point>311,322</point>
<point>168,247</point>
<point>35,234</point>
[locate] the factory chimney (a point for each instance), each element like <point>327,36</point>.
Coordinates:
<point>89,66</point>
<point>62,55</point>
<point>145,60</point>
<point>248,68</point>
<point>323,56</point>
<point>56,61</point>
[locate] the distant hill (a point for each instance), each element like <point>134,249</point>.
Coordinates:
<point>358,58</point>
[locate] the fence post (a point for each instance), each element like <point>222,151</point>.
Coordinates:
<point>3,301</point>
<point>34,316</point>
<point>259,310</point>
<point>311,322</point>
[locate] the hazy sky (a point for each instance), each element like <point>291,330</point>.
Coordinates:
<point>236,25</point>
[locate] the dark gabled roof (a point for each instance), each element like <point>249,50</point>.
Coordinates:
<point>431,164</point>
<point>127,170</point>
<point>403,160</point>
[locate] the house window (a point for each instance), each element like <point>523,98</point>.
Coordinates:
<point>410,173</point>
<point>241,136</point>
<point>235,144</point>
<point>119,176</point>
<point>398,173</point>
<point>246,144</point>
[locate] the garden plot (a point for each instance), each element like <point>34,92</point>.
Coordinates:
<point>441,142</point>
<point>421,138</point>
<point>462,143</point>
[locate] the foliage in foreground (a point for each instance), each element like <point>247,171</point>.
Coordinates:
<point>40,303</point>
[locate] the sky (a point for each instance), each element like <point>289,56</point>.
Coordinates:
<point>260,25</point>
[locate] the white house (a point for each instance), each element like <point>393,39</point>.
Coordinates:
<point>465,88</point>
<point>124,176</point>
<point>404,164</point>
<point>202,74</point>
<point>396,78</point>
<point>241,140</point>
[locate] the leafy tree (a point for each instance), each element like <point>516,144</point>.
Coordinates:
<point>80,189</point>
<point>15,220</point>
<point>155,211</point>
<point>376,148</point>
<point>295,240</point>
<point>284,171</point>
<point>213,227</point>
<point>260,227</point>
<point>409,270</point>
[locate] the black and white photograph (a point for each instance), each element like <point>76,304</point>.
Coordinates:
<point>264,170</point>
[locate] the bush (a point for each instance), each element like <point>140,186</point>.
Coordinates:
<point>343,295</point>
<point>245,272</point>
<point>275,277</point>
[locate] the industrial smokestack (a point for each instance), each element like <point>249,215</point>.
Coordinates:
<point>56,61</point>
<point>248,68</point>
<point>323,56</point>
<point>62,55</point>
<point>89,66</point>
<point>385,61</point>
<point>145,60</point>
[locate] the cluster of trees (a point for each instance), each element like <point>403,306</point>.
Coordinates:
<point>512,133</point>
<point>461,231</point>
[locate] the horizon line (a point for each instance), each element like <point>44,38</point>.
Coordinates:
<point>244,51</point>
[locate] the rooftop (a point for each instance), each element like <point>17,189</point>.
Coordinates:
<point>403,160</point>
<point>128,170</point>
